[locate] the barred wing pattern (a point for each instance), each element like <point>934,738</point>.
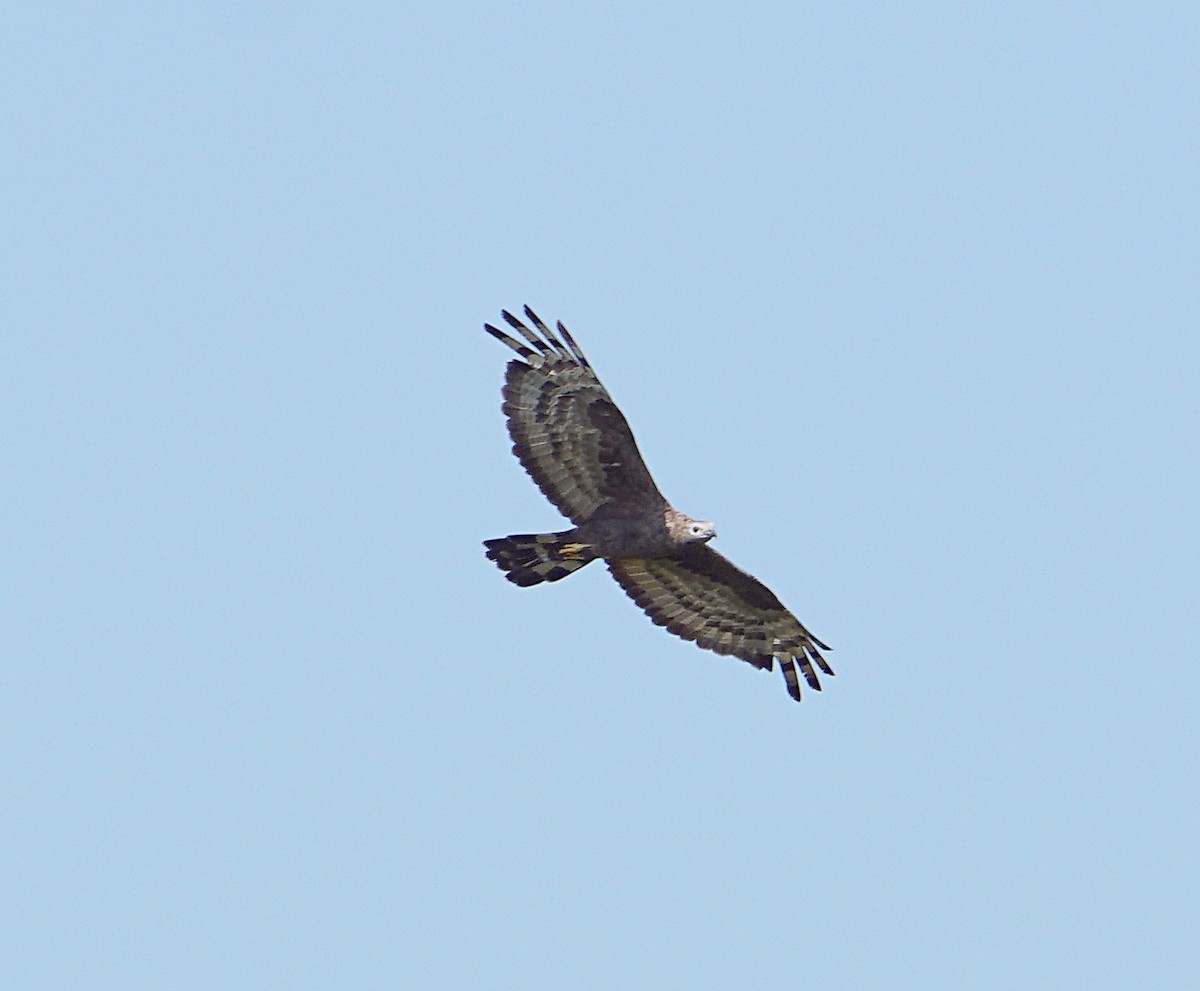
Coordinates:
<point>702,596</point>
<point>567,432</point>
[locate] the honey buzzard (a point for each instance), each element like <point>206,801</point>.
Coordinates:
<point>575,444</point>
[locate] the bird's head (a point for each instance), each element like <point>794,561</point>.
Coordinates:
<point>685,530</point>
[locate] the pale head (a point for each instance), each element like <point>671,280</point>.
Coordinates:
<point>685,530</point>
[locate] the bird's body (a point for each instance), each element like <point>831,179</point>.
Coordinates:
<point>576,445</point>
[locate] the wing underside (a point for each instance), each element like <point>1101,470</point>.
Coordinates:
<point>567,432</point>
<point>703,597</point>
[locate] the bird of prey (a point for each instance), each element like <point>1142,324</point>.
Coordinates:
<point>575,444</point>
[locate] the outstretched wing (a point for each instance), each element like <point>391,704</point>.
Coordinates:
<point>705,597</point>
<point>566,430</point>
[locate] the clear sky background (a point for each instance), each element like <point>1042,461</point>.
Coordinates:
<point>904,297</point>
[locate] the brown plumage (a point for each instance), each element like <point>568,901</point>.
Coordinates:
<point>575,444</point>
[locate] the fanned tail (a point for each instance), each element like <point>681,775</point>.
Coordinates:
<point>531,558</point>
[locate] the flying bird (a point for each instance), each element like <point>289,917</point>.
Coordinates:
<point>575,444</point>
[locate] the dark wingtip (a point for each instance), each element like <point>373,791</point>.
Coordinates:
<point>821,662</point>
<point>575,349</point>
<point>497,333</point>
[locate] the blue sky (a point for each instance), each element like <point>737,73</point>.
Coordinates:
<point>903,297</point>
